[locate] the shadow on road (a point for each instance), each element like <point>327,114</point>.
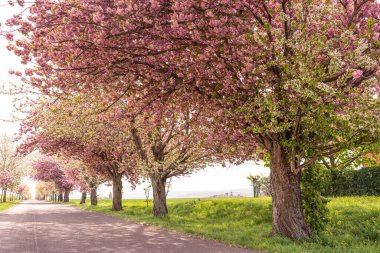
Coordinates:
<point>47,227</point>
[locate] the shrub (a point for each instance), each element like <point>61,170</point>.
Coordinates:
<point>313,203</point>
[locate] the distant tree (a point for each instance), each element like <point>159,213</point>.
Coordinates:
<point>22,190</point>
<point>147,194</point>
<point>10,166</point>
<point>257,183</point>
<point>5,179</point>
<point>41,191</point>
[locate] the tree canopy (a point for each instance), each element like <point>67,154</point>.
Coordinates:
<point>296,79</point>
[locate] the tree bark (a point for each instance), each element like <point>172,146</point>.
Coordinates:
<point>5,195</point>
<point>287,215</point>
<point>94,196</point>
<point>117,188</point>
<point>60,197</point>
<point>83,198</point>
<point>159,196</point>
<point>66,195</point>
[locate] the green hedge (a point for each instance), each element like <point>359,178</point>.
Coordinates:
<point>365,181</point>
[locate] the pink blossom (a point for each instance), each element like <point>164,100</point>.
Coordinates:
<point>357,74</point>
<point>9,36</point>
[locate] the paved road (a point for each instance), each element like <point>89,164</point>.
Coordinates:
<point>39,227</point>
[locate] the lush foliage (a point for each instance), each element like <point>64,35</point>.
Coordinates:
<point>353,228</point>
<point>372,159</point>
<point>314,204</point>
<point>278,88</point>
<point>365,181</point>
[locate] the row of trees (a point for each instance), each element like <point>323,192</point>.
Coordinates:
<point>12,170</point>
<point>56,178</point>
<point>157,89</point>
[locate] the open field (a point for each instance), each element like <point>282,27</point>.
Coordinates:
<point>6,205</point>
<point>354,225</point>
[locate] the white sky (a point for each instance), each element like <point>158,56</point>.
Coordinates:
<point>7,61</point>
<point>212,179</point>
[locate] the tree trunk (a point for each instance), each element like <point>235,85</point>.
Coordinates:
<point>94,196</point>
<point>60,197</point>
<point>66,195</point>
<point>117,188</point>
<point>257,191</point>
<point>159,196</point>
<point>5,195</point>
<point>83,198</point>
<point>287,215</point>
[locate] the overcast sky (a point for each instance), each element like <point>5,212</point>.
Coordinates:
<point>210,179</point>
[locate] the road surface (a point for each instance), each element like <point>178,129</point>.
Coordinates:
<point>39,227</point>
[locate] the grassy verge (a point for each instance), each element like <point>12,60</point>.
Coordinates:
<point>6,205</point>
<point>354,225</point>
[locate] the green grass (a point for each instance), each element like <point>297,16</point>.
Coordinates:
<point>354,226</point>
<point>6,205</point>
